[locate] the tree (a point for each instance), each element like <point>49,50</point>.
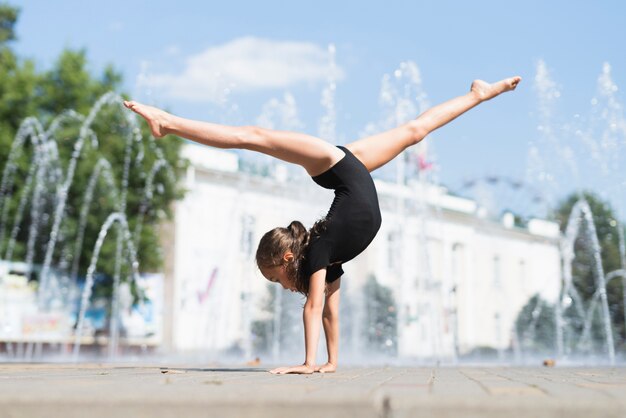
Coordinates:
<point>282,323</point>
<point>25,91</point>
<point>17,82</point>
<point>380,317</point>
<point>535,326</point>
<point>8,17</point>
<point>583,274</point>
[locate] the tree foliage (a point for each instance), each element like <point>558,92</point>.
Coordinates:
<point>8,17</point>
<point>70,84</point>
<point>584,279</point>
<point>583,267</point>
<point>380,317</point>
<point>282,323</point>
<point>536,326</point>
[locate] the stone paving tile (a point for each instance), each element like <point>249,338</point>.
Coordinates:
<point>599,384</point>
<point>188,391</point>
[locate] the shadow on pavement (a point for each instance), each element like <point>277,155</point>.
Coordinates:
<point>187,369</point>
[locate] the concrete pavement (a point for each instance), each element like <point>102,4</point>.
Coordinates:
<point>116,390</point>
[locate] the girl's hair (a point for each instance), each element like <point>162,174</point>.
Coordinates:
<point>295,238</point>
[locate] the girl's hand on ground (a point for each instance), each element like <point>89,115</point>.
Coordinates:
<point>326,368</point>
<point>303,369</point>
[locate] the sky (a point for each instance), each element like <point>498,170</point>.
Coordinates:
<point>225,61</point>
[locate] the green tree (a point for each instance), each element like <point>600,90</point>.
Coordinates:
<point>583,267</point>
<point>380,317</point>
<point>8,17</point>
<point>536,326</point>
<point>287,329</point>
<point>69,84</point>
<point>18,82</point>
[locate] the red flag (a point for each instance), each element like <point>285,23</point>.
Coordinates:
<point>202,295</point>
<point>423,164</point>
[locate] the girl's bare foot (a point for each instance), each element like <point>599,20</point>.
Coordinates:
<point>485,91</point>
<point>326,368</point>
<point>157,119</point>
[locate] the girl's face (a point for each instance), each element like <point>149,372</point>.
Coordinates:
<point>278,274</point>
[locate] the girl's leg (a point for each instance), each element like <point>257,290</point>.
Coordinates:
<point>312,153</point>
<point>377,150</point>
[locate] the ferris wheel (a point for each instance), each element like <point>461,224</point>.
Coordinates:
<point>498,194</point>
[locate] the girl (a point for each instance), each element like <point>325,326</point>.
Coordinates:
<point>310,262</point>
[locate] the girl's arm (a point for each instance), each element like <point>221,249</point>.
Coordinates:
<point>312,316</point>
<point>330,320</point>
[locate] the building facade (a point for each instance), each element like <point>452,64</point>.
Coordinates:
<point>458,278</point>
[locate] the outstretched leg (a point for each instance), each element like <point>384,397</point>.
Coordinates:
<point>377,150</point>
<point>312,153</point>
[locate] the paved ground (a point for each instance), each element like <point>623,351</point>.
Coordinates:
<point>95,390</point>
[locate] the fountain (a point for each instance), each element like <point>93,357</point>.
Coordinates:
<point>567,251</point>
<point>48,186</point>
<point>44,199</point>
<point>603,136</point>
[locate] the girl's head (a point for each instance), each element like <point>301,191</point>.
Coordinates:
<point>279,254</point>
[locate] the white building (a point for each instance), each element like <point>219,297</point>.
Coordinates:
<point>458,278</point>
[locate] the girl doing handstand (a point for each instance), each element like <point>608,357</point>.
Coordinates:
<point>310,262</point>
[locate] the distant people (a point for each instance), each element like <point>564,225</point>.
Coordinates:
<point>309,261</point>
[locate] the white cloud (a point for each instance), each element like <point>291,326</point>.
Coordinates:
<point>245,64</point>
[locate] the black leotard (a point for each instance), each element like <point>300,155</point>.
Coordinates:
<point>352,221</point>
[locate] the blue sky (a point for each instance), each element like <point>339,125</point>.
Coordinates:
<point>169,53</point>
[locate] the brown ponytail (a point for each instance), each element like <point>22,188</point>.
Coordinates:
<point>295,238</point>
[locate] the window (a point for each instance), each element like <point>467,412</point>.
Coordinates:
<point>392,250</point>
<point>246,244</point>
<point>433,259</point>
<point>498,328</point>
<point>456,269</point>
<point>496,270</point>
